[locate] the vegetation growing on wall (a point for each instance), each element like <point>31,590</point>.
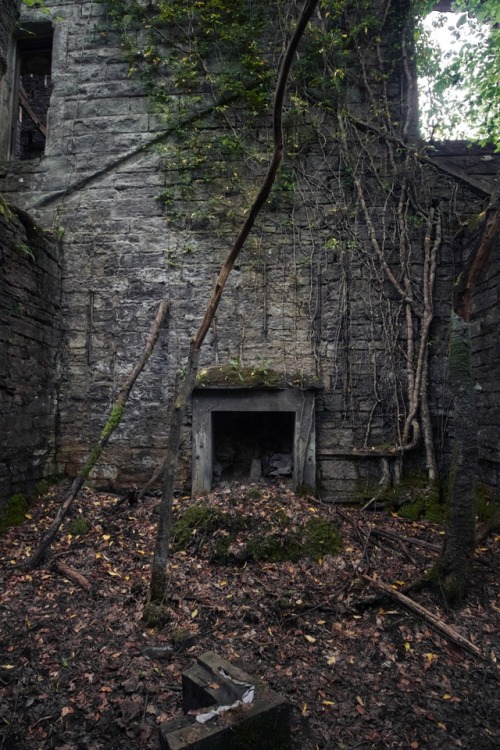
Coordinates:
<point>380,216</point>
<point>463,86</point>
<point>353,168</point>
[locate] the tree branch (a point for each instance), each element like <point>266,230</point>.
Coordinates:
<point>112,423</point>
<point>436,623</point>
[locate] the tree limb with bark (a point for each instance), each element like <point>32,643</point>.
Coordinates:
<point>185,383</point>
<point>112,423</point>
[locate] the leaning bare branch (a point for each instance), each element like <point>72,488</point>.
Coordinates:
<point>112,423</point>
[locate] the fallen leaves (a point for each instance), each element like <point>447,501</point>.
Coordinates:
<point>298,625</point>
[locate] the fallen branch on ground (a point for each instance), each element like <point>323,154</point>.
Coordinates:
<point>72,575</point>
<point>413,606</point>
<point>407,539</point>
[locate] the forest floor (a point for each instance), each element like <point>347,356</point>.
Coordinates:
<point>76,672</point>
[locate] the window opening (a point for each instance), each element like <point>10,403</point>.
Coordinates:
<point>34,66</point>
<point>451,48</point>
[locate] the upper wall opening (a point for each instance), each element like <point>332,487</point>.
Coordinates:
<point>33,88</point>
<point>25,92</point>
<point>456,51</point>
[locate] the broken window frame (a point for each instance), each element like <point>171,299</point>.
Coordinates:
<point>32,39</point>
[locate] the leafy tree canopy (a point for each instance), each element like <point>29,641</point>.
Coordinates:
<point>471,66</point>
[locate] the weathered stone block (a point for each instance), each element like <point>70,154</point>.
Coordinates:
<point>263,724</point>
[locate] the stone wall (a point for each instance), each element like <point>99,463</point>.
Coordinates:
<point>30,306</point>
<point>485,325</point>
<point>9,13</point>
<point>306,297</point>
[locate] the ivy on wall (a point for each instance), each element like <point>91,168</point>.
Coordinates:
<point>374,229</point>
<point>224,54</point>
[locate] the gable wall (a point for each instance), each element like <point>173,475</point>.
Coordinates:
<point>296,301</point>
<point>30,326</point>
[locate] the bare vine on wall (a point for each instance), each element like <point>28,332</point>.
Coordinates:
<point>354,232</point>
<point>403,234</point>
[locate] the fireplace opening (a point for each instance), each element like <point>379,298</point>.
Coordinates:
<point>252,445</point>
<point>246,434</point>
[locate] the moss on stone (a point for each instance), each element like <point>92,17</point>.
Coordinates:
<point>14,512</point>
<point>236,375</point>
<point>155,615</point>
<point>315,540</point>
<point>113,421</point>
<point>413,498</point>
<point>426,504</point>
<point>79,526</point>
<point>254,494</point>
<point>197,519</point>
<point>213,532</point>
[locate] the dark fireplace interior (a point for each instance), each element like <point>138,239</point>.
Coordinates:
<point>253,445</point>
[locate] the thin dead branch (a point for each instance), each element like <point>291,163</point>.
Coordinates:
<point>72,575</point>
<point>112,423</point>
<point>436,623</point>
<point>407,539</point>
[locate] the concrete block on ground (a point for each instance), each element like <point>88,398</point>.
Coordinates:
<point>263,724</point>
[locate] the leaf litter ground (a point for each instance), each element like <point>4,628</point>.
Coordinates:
<point>80,671</point>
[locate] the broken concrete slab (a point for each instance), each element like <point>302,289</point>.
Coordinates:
<point>262,724</point>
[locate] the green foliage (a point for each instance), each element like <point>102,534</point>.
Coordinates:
<point>42,487</point>
<point>254,494</point>
<point>471,66</point>
<point>5,210</point>
<point>190,54</point>
<point>25,249</point>
<point>78,526</point>
<point>37,4</point>
<point>213,63</point>
<point>421,500</point>
<point>196,520</point>
<point>213,532</point>
<point>14,512</point>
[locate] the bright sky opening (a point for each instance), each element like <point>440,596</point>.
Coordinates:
<point>448,122</point>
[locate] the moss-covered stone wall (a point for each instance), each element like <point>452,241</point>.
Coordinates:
<point>308,295</point>
<point>30,327</point>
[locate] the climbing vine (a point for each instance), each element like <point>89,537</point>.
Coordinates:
<point>356,236</point>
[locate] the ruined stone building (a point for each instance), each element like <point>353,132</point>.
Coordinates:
<point>330,342</point>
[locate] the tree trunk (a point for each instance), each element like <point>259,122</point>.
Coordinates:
<point>184,388</point>
<point>453,569</point>
<point>182,395</point>
<point>114,420</point>
<point>454,566</point>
